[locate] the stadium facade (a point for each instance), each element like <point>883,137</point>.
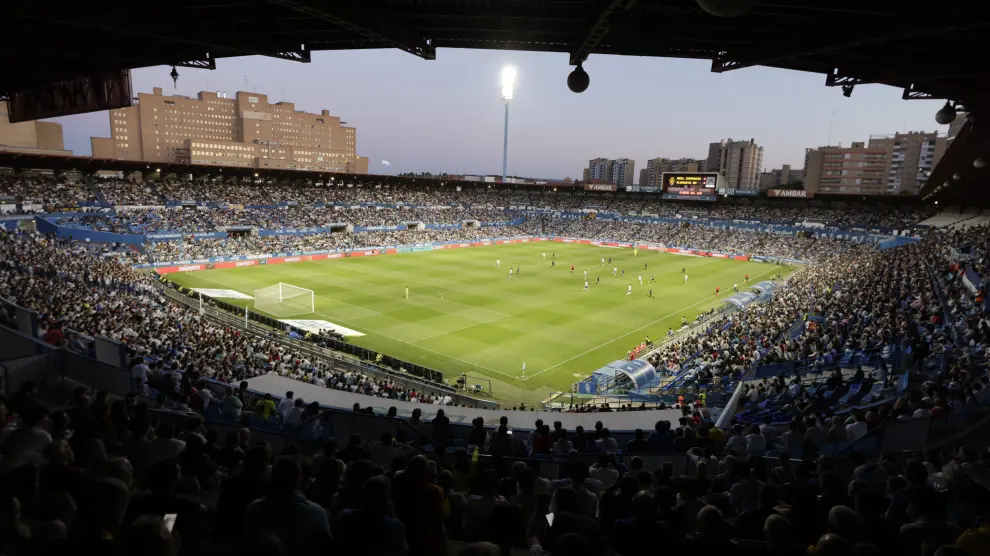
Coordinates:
<point>244,130</point>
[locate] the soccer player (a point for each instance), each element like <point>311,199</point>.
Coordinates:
<point>544,255</point>
<point>510,273</point>
<point>683,321</point>
<point>498,263</point>
<point>553,264</point>
<point>524,367</point>
<point>572,269</point>
<point>651,293</point>
<point>407,292</point>
<point>623,273</point>
<point>640,279</point>
<point>603,261</point>
<point>717,290</point>
<point>598,280</point>
<point>629,290</point>
<point>747,277</point>
<point>735,288</point>
<point>586,274</point>
<point>685,278</point>
<point>683,269</point>
<point>614,270</point>
<point>610,260</point>
<point>653,278</point>
<point>646,265</point>
<point>585,285</point>
<point>518,269</point>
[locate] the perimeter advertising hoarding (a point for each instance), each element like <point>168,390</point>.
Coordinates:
<point>792,193</point>
<point>181,266</point>
<point>600,187</point>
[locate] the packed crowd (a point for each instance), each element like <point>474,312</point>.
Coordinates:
<point>79,293</point>
<point>47,192</point>
<point>56,194</point>
<point>115,476</point>
<point>165,251</point>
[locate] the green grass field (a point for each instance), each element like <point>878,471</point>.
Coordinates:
<point>464,315</point>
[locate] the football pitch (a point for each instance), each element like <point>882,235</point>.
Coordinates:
<point>464,315</point>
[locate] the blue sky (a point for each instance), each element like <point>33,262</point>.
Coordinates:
<point>446,115</point>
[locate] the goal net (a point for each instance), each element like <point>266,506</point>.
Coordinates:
<point>284,300</point>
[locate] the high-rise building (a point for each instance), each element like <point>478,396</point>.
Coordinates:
<point>244,130</point>
<point>655,167</point>
<point>644,176</point>
<point>740,162</point>
<point>620,171</point>
<point>30,137</point>
<point>598,169</point>
<point>623,171</point>
<point>911,157</point>
<point>857,169</point>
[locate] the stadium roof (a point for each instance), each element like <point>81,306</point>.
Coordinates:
<point>918,47</point>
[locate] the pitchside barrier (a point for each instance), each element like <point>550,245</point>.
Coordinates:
<point>190,265</point>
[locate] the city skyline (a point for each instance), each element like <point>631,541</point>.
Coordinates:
<point>446,115</point>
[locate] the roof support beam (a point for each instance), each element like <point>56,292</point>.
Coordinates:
<point>302,55</point>
<point>378,29</point>
<point>783,52</point>
<point>598,30</point>
<point>206,63</point>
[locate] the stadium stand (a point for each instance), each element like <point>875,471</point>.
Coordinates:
<point>864,353</point>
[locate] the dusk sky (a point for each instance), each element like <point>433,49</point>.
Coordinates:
<point>445,115</point>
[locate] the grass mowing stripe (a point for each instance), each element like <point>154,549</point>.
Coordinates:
<point>486,324</point>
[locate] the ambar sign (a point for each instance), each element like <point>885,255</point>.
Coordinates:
<point>792,193</point>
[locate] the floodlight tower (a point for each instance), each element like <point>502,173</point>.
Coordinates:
<point>508,84</point>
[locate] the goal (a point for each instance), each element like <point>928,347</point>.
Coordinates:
<point>284,300</point>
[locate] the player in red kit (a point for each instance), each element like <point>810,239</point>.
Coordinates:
<point>747,277</point>
<point>572,269</point>
<point>717,289</point>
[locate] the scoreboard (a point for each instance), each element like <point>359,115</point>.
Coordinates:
<point>690,183</point>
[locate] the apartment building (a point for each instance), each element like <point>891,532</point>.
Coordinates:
<point>858,169</point>
<point>911,158</point>
<point>620,171</point>
<point>740,162</point>
<point>785,175</point>
<point>243,130</point>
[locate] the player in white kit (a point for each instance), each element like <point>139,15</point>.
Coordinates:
<point>544,255</point>
<point>586,274</point>
<point>603,261</point>
<point>640,279</point>
<point>498,263</point>
<point>585,285</point>
<point>629,290</point>
<point>614,270</point>
<point>685,278</point>
<point>510,273</point>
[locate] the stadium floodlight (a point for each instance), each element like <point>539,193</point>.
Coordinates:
<point>508,93</point>
<point>284,300</point>
<point>508,82</point>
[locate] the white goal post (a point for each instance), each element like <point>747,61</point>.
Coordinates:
<point>284,300</point>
